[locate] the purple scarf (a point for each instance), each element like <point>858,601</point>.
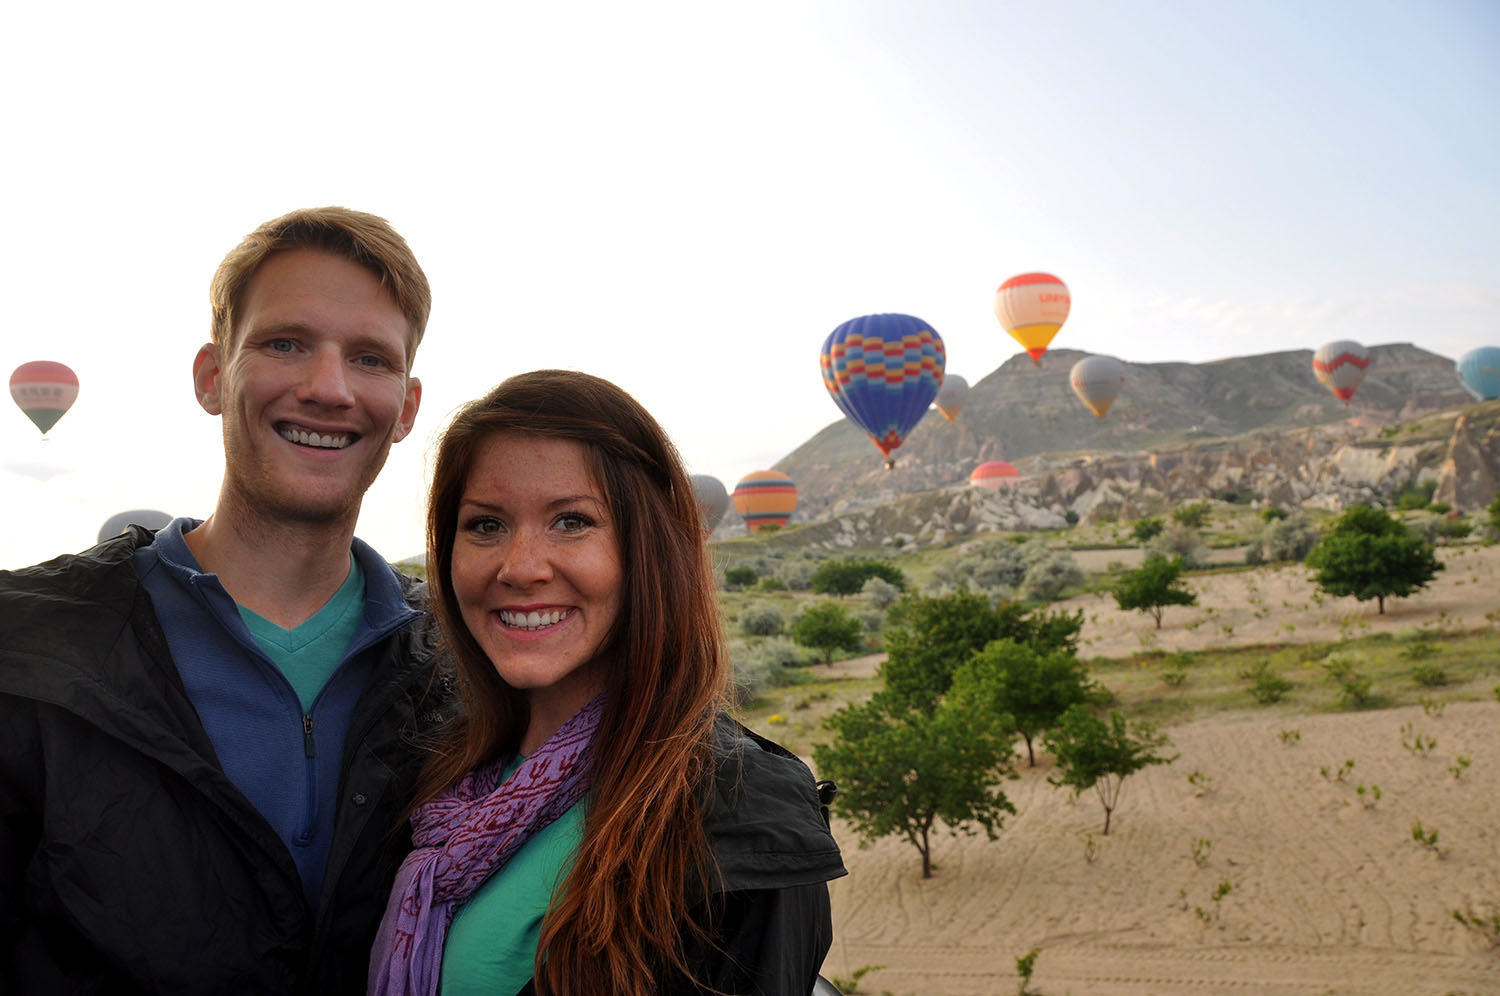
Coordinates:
<point>461,837</point>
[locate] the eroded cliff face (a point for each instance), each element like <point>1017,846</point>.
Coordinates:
<point>1326,467</point>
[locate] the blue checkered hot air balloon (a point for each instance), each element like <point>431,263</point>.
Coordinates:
<point>883,372</point>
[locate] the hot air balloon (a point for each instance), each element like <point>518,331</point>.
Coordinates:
<point>148,517</point>
<point>765,499</point>
<point>994,475</point>
<point>883,371</point>
<point>952,396</point>
<point>1341,366</point>
<point>44,390</point>
<point>713,500</point>
<point>1032,307</point>
<point>1479,372</point>
<point>1097,381</point>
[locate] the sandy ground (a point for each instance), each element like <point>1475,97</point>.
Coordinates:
<point>1327,894</point>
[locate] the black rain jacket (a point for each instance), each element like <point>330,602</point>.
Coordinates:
<point>129,863</point>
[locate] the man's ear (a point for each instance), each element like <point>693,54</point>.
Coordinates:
<point>409,409</point>
<point>206,371</point>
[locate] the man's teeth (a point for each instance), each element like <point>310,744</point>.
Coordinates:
<point>533,620</point>
<point>327,441</point>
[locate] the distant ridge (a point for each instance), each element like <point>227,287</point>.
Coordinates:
<point>1022,411</point>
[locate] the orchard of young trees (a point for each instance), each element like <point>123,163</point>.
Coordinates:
<point>962,680</point>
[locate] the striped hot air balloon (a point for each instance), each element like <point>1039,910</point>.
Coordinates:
<point>765,499</point>
<point>1341,366</point>
<point>1097,381</point>
<point>713,500</point>
<point>883,371</point>
<point>1032,307</point>
<point>44,390</point>
<point>994,475</point>
<point>1479,372</point>
<point>952,396</point>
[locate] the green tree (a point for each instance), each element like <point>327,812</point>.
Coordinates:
<point>1193,514</point>
<point>1146,528</point>
<point>1368,554</point>
<point>740,577</point>
<point>901,769</point>
<point>847,577</point>
<point>1493,510</point>
<point>928,638</point>
<point>1098,754</point>
<point>1033,687</point>
<point>1152,587</point>
<point>828,627</point>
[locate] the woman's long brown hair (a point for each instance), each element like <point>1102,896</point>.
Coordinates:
<point>618,919</point>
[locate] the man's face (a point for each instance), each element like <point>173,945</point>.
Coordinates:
<point>313,390</point>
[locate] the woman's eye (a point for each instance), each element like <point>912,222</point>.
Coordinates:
<point>574,522</point>
<point>482,525</point>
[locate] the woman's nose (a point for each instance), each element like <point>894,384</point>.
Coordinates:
<point>525,562</point>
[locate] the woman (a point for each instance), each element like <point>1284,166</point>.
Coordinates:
<point>594,823</point>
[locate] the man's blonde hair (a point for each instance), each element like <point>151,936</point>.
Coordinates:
<point>362,239</point>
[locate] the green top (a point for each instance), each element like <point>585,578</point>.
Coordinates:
<point>309,654</point>
<point>491,944</point>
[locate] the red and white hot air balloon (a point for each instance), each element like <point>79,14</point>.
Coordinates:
<point>994,475</point>
<point>1341,366</point>
<point>1032,307</point>
<point>44,390</point>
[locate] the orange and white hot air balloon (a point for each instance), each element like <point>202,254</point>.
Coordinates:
<point>1341,366</point>
<point>1097,381</point>
<point>1032,307</point>
<point>952,396</point>
<point>765,499</point>
<point>994,475</point>
<point>44,390</point>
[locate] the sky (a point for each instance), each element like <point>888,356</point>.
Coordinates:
<point>686,198</point>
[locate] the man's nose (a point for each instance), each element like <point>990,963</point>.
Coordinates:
<point>327,380</point>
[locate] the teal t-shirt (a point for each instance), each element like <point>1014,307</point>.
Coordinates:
<point>309,654</point>
<point>491,944</point>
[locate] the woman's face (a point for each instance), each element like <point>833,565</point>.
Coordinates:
<point>536,569</point>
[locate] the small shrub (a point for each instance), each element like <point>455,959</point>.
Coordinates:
<point>1193,514</point>
<point>1174,677</point>
<point>762,620</point>
<point>1429,675</point>
<point>1202,784</point>
<point>851,984</point>
<point>1025,965</point>
<point>1145,529</point>
<point>1459,766</point>
<point>1369,798</point>
<point>1202,848</point>
<point>1420,744</point>
<point>1289,737</point>
<point>1273,513</point>
<point>1425,836</point>
<point>1355,689</point>
<point>1487,927</point>
<point>1266,685</point>
<point>1432,707</point>
<point>740,577</point>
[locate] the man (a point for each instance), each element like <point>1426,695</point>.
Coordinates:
<point>208,736</point>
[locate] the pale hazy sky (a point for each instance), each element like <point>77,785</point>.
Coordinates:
<point>686,198</point>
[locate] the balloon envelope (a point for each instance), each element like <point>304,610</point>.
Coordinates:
<point>148,517</point>
<point>44,390</point>
<point>883,371</point>
<point>1097,381</point>
<point>952,396</point>
<point>765,499</point>
<point>994,475</point>
<point>1479,372</point>
<point>1032,307</point>
<point>713,500</point>
<point>1341,366</point>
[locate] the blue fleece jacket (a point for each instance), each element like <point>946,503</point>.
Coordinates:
<point>287,762</point>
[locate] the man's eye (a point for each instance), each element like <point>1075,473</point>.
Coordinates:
<point>280,345</point>
<point>371,361</point>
